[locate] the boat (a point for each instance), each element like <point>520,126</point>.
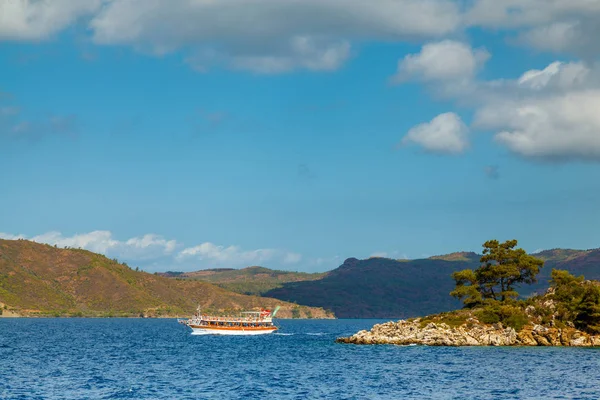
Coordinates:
<point>246,323</point>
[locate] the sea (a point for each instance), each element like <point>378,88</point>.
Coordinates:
<point>112,358</point>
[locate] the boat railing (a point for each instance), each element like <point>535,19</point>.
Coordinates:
<point>230,319</point>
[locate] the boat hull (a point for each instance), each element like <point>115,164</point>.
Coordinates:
<point>201,330</point>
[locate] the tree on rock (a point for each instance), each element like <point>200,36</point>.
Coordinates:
<point>576,300</point>
<point>502,269</point>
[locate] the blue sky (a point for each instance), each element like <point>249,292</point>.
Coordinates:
<point>193,134</point>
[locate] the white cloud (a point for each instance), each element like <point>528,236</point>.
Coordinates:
<point>233,256</point>
<point>566,26</point>
<point>292,258</point>
<point>447,60</point>
<point>161,254</point>
<point>146,247</point>
<point>563,126</point>
<point>446,133</point>
<point>557,74</point>
<point>271,36</point>
<point>328,262</point>
<point>545,114</point>
<point>151,241</point>
<point>304,52</point>
<point>556,36</point>
<point>268,36</point>
<point>97,241</point>
<point>527,13</point>
<point>9,236</point>
<point>37,20</point>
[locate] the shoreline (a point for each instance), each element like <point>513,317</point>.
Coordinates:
<point>134,317</point>
<point>472,333</point>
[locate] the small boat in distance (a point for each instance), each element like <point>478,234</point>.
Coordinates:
<point>246,323</point>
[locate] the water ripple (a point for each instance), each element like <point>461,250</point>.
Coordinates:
<point>159,359</point>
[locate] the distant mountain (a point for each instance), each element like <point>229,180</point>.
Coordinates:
<point>379,288</point>
<point>467,256</point>
<point>578,262</point>
<point>385,288</point>
<point>251,280</point>
<point>38,279</point>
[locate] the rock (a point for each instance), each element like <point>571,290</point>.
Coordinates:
<point>525,337</point>
<point>529,310</point>
<point>469,334</point>
<point>580,342</point>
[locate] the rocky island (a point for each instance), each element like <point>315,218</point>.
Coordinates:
<point>568,314</point>
<point>471,333</point>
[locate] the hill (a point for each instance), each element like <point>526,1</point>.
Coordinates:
<point>379,288</point>
<point>386,288</point>
<point>251,280</point>
<point>38,279</point>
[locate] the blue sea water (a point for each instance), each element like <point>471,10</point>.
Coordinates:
<point>159,359</point>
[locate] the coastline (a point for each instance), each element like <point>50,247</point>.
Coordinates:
<point>20,316</point>
<point>472,333</point>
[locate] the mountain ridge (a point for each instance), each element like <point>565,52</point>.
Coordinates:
<point>379,287</point>
<point>42,280</point>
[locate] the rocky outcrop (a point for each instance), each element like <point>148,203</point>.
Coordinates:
<point>472,333</point>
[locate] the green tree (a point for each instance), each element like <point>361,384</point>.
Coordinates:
<point>467,287</point>
<point>502,268</point>
<point>577,300</point>
<point>588,317</point>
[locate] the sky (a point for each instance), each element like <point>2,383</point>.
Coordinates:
<point>193,134</point>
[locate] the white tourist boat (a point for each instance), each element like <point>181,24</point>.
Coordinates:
<point>246,323</point>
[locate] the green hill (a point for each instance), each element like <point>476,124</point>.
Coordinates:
<point>251,280</point>
<point>38,279</point>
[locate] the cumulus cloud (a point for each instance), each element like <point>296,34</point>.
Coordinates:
<point>268,36</point>
<point>326,263</point>
<point>272,36</point>
<point>545,114</point>
<point>526,13</point>
<point>163,254</point>
<point>557,127</point>
<point>144,247</point>
<point>556,36</point>
<point>4,235</point>
<point>234,256</point>
<point>162,26</point>
<point>549,25</point>
<point>446,134</point>
<point>37,20</point>
<point>557,75</point>
<point>576,37</point>
<point>447,60</point>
